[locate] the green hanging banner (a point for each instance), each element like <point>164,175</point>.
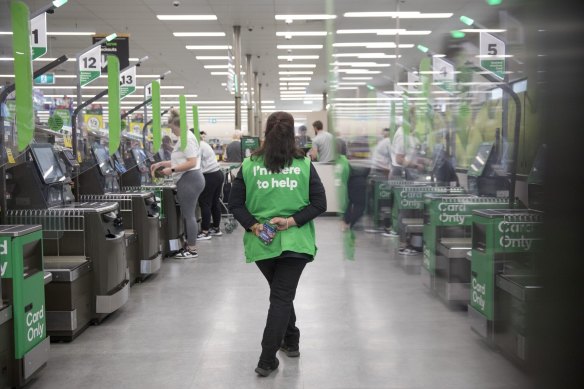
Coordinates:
<point>156,130</point>
<point>113,96</point>
<point>392,123</point>
<point>22,73</point>
<point>426,78</point>
<point>196,122</point>
<point>183,122</point>
<point>406,121</point>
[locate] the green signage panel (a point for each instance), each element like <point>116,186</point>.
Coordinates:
<point>127,82</point>
<point>249,144</point>
<point>22,73</point>
<point>492,54</point>
<point>156,129</point>
<point>196,122</point>
<point>183,122</point>
<point>113,81</point>
<point>45,79</point>
<point>90,66</point>
<point>38,35</point>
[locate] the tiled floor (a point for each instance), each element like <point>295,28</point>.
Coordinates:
<point>365,324</point>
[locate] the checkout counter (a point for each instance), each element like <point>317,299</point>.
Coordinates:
<point>24,345</point>
<point>83,242</point>
<point>99,181</point>
<point>134,172</point>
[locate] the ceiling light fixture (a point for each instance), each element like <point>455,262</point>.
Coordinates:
<point>208,47</point>
<point>212,57</point>
<point>290,18</point>
<point>299,47</point>
<point>297,66</point>
<point>401,15</point>
<point>186,17</point>
<point>291,34</point>
<point>197,34</point>
<point>294,73</point>
<point>293,57</point>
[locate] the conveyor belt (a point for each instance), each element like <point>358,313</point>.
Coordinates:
<point>413,225</point>
<point>67,268</point>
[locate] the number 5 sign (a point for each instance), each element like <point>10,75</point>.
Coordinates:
<point>90,66</point>
<point>492,55</point>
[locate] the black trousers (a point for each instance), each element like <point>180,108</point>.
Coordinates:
<point>357,187</point>
<point>209,200</point>
<point>282,275</point>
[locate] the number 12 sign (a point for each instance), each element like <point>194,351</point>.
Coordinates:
<point>492,54</point>
<point>90,66</point>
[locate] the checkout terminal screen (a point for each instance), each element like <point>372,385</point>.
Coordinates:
<point>103,159</point>
<point>47,163</point>
<point>477,166</point>
<point>139,156</point>
<point>119,163</point>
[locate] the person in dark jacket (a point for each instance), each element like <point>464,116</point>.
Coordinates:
<point>278,186</point>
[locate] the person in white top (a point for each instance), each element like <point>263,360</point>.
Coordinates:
<point>185,168</point>
<point>403,151</point>
<point>209,201</point>
<point>381,158</point>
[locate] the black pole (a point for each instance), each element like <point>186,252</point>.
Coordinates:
<point>3,96</point>
<point>74,130</point>
<point>131,111</point>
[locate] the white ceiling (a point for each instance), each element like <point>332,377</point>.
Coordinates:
<point>152,37</point>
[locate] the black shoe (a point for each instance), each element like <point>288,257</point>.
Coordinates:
<point>290,351</point>
<point>265,369</point>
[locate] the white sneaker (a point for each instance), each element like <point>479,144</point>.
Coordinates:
<point>204,236</point>
<point>408,251</point>
<point>186,254</point>
<point>215,231</point>
<point>391,234</point>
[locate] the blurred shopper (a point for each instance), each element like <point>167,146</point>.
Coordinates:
<point>303,141</point>
<point>203,136</point>
<point>381,158</point>
<point>404,160</point>
<point>279,186</point>
<point>233,151</point>
<point>323,144</point>
<point>209,200</point>
<point>185,168</point>
<point>166,148</point>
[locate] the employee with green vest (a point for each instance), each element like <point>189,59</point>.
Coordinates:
<point>278,187</point>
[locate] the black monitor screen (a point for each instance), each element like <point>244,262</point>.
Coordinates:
<point>103,159</point>
<point>477,166</point>
<point>48,164</point>
<point>119,163</point>
<point>139,156</point>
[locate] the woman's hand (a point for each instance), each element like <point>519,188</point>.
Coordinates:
<point>166,171</point>
<point>283,223</point>
<point>256,229</point>
<point>154,167</point>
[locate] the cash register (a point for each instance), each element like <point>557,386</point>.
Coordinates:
<point>486,175</point>
<point>82,242</point>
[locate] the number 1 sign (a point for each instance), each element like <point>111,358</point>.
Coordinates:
<point>90,66</point>
<point>38,36</point>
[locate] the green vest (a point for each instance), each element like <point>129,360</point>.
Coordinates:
<point>342,171</point>
<point>271,195</point>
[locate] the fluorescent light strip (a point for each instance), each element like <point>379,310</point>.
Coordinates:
<point>361,64</point>
<point>293,57</point>
<point>291,34</point>
<point>291,18</point>
<point>60,33</point>
<point>298,47</point>
<point>351,83</point>
<point>291,73</point>
<point>297,66</point>
<point>401,15</point>
<point>295,78</point>
<point>374,45</point>
<point>197,34</point>
<point>492,30</point>
<point>212,57</point>
<point>208,47</point>
<point>295,83</point>
<point>358,71</point>
<point>364,55</point>
<point>186,17</point>
<point>216,66</point>
<point>357,78</point>
<point>283,88</point>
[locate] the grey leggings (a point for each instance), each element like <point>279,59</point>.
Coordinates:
<point>188,189</point>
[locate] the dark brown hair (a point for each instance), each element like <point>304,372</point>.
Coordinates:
<point>279,148</point>
<point>317,124</point>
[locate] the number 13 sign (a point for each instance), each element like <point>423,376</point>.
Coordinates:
<point>90,66</point>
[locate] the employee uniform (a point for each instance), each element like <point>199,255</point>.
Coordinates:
<point>324,143</point>
<point>301,196</point>
<point>189,184</point>
<point>398,146</point>
<point>209,201</point>
<point>381,159</point>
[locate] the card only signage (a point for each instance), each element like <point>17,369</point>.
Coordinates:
<point>90,66</point>
<point>127,82</point>
<point>120,47</point>
<point>38,36</point>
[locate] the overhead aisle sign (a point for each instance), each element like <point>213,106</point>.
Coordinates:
<point>90,66</point>
<point>127,82</point>
<point>147,91</point>
<point>414,82</point>
<point>444,76</point>
<point>492,54</point>
<point>38,36</point>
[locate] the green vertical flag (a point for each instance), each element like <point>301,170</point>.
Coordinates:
<point>22,73</point>
<point>406,121</point>
<point>113,82</point>
<point>392,123</point>
<point>196,122</point>
<point>183,122</point>
<point>156,130</point>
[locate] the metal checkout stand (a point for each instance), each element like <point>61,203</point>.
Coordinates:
<point>99,181</point>
<point>83,242</point>
<point>134,171</point>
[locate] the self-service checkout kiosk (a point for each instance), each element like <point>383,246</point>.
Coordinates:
<point>24,345</point>
<point>99,181</point>
<point>82,242</point>
<point>134,172</point>
<point>447,227</point>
